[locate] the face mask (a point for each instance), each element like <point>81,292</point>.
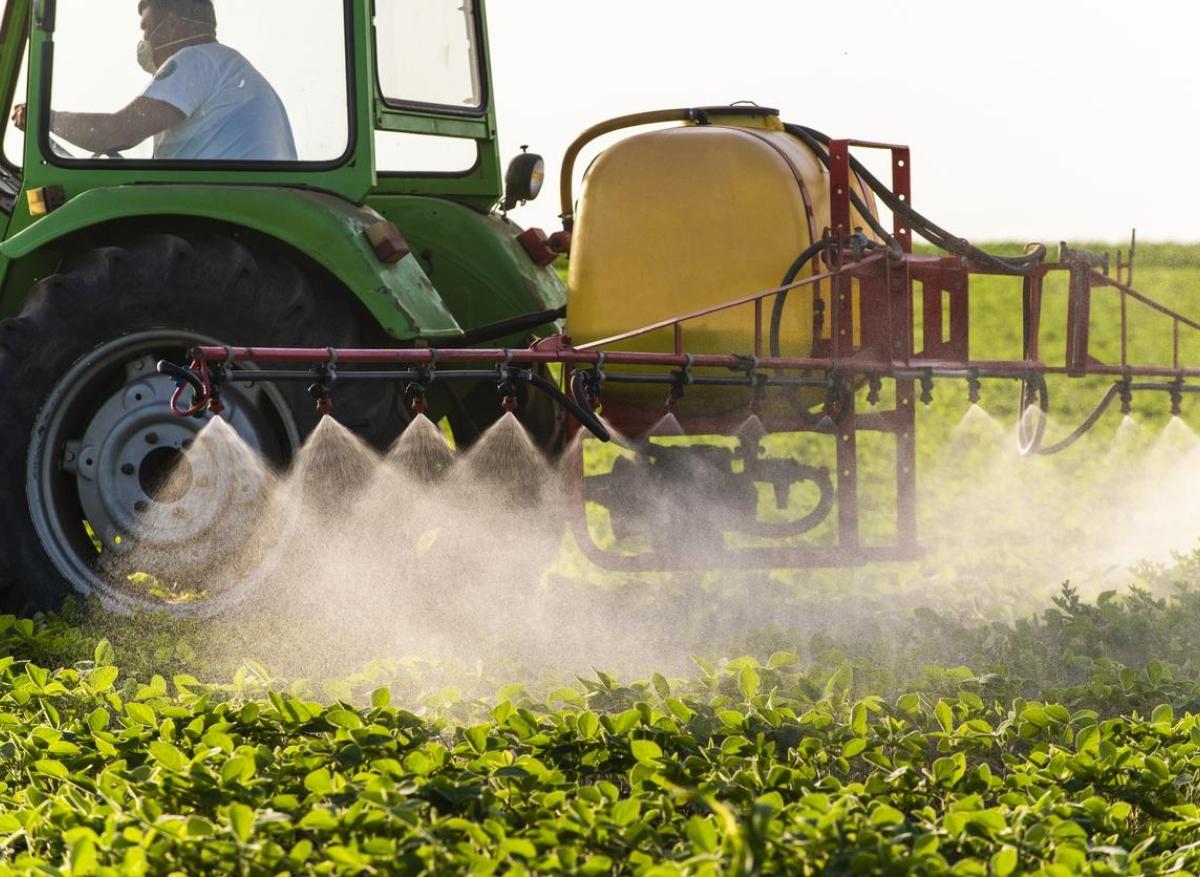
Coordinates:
<point>146,48</point>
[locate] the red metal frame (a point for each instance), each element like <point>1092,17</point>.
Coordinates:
<point>881,346</point>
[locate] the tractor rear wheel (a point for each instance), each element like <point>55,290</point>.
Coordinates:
<point>87,437</point>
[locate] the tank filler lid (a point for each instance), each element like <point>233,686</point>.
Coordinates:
<point>700,115</point>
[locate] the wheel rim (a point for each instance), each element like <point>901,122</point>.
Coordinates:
<point>107,455</point>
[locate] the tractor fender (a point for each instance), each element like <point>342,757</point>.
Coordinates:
<point>326,228</point>
<point>479,267</point>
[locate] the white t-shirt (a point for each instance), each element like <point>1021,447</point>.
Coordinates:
<point>233,113</point>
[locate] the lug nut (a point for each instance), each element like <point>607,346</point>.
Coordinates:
<point>151,438</point>
<point>127,469</point>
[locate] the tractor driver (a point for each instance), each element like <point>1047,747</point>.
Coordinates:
<point>205,102</point>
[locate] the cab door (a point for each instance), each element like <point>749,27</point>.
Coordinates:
<point>435,130</point>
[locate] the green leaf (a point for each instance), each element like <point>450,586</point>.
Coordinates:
<point>241,820</point>
<point>103,653</point>
<point>858,719</point>
<point>380,698</point>
<point>1164,714</point>
<point>477,738</point>
<point>9,824</point>
<point>645,751</point>
<point>748,682</point>
<point>419,763</point>
<point>234,768</point>
<point>1155,672</point>
<point>588,725</point>
<point>702,834</point>
<point>52,768</point>
<point>342,718</point>
<point>1004,862</point>
<point>779,660</point>
<point>661,685</point>
<point>141,714</point>
<point>319,819</point>
<point>102,678</point>
<point>97,719</point>
<point>516,846</point>
<point>83,856</point>
<point>319,782</point>
<point>168,756</point>
<point>885,814</point>
<point>944,715</point>
<point>626,812</point>
<point>853,747</point>
<point>568,695</point>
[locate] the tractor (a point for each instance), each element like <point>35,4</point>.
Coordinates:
<point>385,229</point>
<point>731,275</point>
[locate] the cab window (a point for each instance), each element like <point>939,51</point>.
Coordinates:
<point>201,81</point>
<point>428,53</point>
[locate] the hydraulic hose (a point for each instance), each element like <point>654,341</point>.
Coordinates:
<point>587,418</point>
<point>937,236</point>
<point>1083,428</point>
<point>788,279</point>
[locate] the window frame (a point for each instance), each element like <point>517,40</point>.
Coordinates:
<point>481,70</point>
<point>55,160</point>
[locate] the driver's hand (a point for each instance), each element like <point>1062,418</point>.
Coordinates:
<point>18,116</point>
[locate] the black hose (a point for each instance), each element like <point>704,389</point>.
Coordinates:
<point>502,329</point>
<point>789,278</point>
<point>919,224</point>
<point>1084,427</point>
<point>587,418</point>
<point>179,373</point>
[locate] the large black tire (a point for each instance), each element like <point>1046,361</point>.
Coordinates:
<point>204,286</point>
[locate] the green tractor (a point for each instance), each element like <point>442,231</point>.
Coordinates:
<point>282,172</point>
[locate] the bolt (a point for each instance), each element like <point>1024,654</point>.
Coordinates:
<point>69,456</point>
<point>127,469</point>
<point>141,505</point>
<point>151,438</point>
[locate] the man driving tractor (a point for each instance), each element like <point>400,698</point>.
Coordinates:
<point>205,102</point>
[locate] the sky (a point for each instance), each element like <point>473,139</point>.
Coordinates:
<point>1053,120</point>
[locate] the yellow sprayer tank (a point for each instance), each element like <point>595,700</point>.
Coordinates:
<point>678,219</point>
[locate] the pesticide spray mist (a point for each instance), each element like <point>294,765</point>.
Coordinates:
<point>353,556</point>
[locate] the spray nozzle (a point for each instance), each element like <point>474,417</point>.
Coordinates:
<point>1125,390</point>
<point>324,377</point>
<point>927,388</point>
<point>974,388</point>
<point>874,385</point>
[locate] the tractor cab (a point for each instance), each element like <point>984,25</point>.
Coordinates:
<point>347,96</point>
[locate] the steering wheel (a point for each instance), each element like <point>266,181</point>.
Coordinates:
<point>59,147</point>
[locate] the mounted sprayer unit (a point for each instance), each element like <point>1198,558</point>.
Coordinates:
<point>851,313</point>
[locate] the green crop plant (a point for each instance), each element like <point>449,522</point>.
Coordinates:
<point>1063,743</point>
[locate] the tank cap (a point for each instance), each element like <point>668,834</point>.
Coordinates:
<point>700,115</point>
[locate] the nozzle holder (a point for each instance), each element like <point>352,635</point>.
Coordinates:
<point>974,388</point>
<point>874,386</point>
<point>927,388</point>
<point>324,378</point>
<point>680,380</point>
<point>1125,391</point>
